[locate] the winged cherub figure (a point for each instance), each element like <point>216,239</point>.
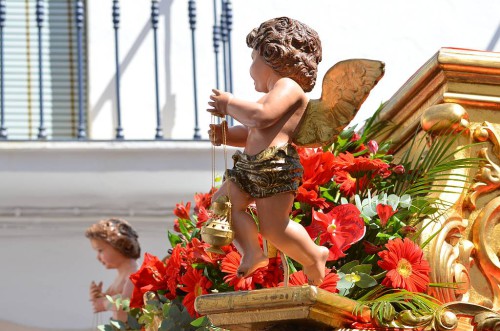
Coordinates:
<point>285,54</point>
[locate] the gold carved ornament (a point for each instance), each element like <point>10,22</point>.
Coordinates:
<point>450,253</point>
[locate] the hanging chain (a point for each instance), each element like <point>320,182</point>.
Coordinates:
<point>224,146</point>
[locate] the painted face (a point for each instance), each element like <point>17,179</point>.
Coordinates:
<point>109,256</point>
<point>260,71</point>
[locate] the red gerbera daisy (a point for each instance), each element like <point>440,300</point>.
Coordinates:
<point>356,172</point>
<point>195,284</point>
<point>230,264</point>
<point>349,185</point>
<point>273,274</point>
<point>329,283</point>
<point>406,266</point>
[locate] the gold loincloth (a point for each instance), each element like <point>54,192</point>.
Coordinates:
<point>275,170</point>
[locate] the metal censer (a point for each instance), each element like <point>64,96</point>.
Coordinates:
<point>217,231</point>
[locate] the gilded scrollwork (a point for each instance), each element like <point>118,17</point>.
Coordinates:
<point>483,318</point>
<point>446,318</point>
<point>486,252</point>
<point>487,178</point>
<point>450,259</point>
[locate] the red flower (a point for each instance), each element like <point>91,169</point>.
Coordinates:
<point>384,213</point>
<point>340,228</point>
<point>311,197</point>
<point>372,146</point>
<point>182,211</point>
<point>318,167</point>
<point>203,216</point>
<point>203,199</point>
<point>407,229</point>
<point>349,185</point>
<point>329,283</point>
<point>196,253</point>
<point>399,169</point>
<point>230,264</point>
<point>273,274</point>
<point>150,277</point>
<point>355,173</point>
<point>195,284</point>
<point>175,265</point>
<point>371,248</point>
<point>405,264</point>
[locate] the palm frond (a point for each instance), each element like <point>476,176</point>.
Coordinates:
<point>418,303</point>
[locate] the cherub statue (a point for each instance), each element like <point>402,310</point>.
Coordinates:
<point>117,246</point>
<point>285,55</point>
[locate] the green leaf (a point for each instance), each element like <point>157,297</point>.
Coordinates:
<point>105,327</point>
<point>166,310</point>
<point>343,283</point>
<point>346,268</point>
<point>174,312</point>
<point>362,268</point>
<point>366,281</point>
<point>133,322</point>
<point>174,239</point>
<point>200,321</point>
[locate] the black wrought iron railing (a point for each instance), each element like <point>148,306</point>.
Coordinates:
<point>19,104</point>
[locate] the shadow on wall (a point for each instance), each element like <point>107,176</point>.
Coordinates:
<point>109,93</point>
<point>494,40</point>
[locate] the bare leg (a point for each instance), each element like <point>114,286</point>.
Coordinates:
<point>290,237</point>
<point>245,230</point>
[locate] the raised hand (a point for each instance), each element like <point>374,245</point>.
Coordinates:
<point>219,103</point>
<point>95,290</point>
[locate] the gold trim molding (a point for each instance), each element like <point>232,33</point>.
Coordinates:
<point>466,77</point>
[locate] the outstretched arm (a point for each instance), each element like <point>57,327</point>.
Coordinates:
<point>284,95</point>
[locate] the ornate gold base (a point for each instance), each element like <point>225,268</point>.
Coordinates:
<point>285,308</point>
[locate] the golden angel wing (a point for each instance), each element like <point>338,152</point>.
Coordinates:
<point>345,87</point>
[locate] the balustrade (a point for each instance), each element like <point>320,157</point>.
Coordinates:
<point>46,108</point>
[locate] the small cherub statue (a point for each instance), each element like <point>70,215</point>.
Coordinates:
<point>286,54</point>
<point>285,58</point>
<point>117,247</point>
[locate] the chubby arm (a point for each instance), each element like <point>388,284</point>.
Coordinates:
<point>236,135</point>
<point>283,96</point>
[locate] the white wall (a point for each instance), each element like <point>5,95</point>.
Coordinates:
<point>402,34</point>
<point>47,263</point>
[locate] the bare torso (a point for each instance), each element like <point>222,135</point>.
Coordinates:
<point>280,133</point>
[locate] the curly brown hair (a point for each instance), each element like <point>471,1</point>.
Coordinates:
<point>119,234</point>
<point>290,47</point>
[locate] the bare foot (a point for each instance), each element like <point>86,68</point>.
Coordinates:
<point>315,272</point>
<point>251,263</point>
